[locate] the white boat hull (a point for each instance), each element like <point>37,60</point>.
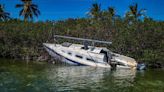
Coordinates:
<point>52,50</point>
<point>61,53</point>
<point>59,57</point>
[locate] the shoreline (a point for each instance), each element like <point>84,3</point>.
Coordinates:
<point>23,40</point>
<point>48,59</point>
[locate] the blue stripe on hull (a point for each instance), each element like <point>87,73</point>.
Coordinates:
<point>69,60</point>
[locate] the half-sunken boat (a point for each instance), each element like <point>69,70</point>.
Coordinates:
<point>82,54</point>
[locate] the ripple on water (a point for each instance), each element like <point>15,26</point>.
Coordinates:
<point>45,77</point>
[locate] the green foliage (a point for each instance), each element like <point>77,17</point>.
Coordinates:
<point>141,39</point>
<point>19,38</point>
<point>95,11</point>
<point>134,12</point>
<point>3,15</point>
<point>28,9</point>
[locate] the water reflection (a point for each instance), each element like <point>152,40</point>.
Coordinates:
<point>42,77</point>
<point>82,77</point>
<point>124,77</point>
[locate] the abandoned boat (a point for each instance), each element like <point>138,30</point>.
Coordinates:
<point>77,54</point>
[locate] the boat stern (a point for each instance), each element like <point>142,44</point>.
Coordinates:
<point>127,61</point>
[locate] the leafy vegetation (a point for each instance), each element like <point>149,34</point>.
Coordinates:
<point>28,9</point>
<point>134,12</point>
<point>3,15</point>
<point>142,39</point>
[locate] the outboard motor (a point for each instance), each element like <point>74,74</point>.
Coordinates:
<point>113,65</point>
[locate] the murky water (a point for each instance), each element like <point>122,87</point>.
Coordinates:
<point>42,77</point>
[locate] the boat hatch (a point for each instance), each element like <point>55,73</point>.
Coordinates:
<point>66,44</point>
<point>95,50</point>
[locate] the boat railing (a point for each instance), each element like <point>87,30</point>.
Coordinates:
<point>82,39</point>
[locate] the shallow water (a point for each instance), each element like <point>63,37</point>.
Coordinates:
<point>42,77</point>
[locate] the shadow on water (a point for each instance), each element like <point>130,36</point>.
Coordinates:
<point>43,77</point>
